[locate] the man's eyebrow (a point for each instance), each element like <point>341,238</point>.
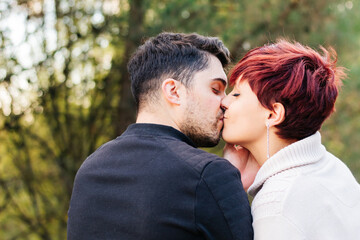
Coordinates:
<point>223,81</point>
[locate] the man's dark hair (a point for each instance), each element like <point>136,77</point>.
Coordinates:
<point>171,55</point>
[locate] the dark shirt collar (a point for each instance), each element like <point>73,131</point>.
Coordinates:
<point>157,130</point>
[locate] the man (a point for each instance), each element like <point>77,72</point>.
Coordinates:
<point>152,182</point>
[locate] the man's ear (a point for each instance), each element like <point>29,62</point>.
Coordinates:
<point>170,90</point>
<point>277,115</point>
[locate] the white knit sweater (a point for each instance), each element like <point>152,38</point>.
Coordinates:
<point>304,192</point>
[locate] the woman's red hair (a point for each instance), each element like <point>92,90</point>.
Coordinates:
<point>304,81</point>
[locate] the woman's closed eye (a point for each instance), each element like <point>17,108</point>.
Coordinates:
<point>236,94</point>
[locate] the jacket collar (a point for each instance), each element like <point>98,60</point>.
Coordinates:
<point>151,129</point>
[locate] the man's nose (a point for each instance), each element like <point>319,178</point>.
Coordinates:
<point>223,107</point>
<point>223,104</point>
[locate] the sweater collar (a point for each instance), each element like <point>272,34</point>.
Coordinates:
<point>303,152</point>
<point>157,130</point>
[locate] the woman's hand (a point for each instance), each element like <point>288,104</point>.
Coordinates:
<point>244,161</point>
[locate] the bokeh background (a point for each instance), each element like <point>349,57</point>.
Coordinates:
<point>64,87</point>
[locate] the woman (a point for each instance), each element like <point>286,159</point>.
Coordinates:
<point>282,94</point>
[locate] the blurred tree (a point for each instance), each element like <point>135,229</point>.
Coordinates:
<point>64,87</point>
<point>68,89</point>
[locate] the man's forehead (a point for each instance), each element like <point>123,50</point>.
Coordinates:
<point>214,72</point>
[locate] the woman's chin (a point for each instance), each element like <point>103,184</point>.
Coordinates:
<point>226,135</point>
<point>227,139</point>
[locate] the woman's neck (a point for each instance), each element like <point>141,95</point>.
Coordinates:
<point>259,149</point>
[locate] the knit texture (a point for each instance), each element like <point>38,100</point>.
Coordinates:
<point>304,192</point>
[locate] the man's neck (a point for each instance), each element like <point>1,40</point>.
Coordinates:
<point>155,118</point>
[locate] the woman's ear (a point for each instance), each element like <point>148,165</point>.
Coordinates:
<point>170,91</point>
<point>277,115</point>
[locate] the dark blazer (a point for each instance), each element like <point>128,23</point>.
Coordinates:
<point>152,183</point>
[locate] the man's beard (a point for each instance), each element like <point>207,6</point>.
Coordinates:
<point>202,133</point>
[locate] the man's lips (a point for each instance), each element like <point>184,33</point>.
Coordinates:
<point>220,117</point>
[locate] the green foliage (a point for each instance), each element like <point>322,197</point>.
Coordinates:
<point>64,88</point>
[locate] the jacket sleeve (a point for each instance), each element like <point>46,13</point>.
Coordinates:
<point>222,208</point>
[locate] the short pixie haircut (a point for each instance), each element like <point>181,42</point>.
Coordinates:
<point>171,55</point>
<point>300,78</point>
